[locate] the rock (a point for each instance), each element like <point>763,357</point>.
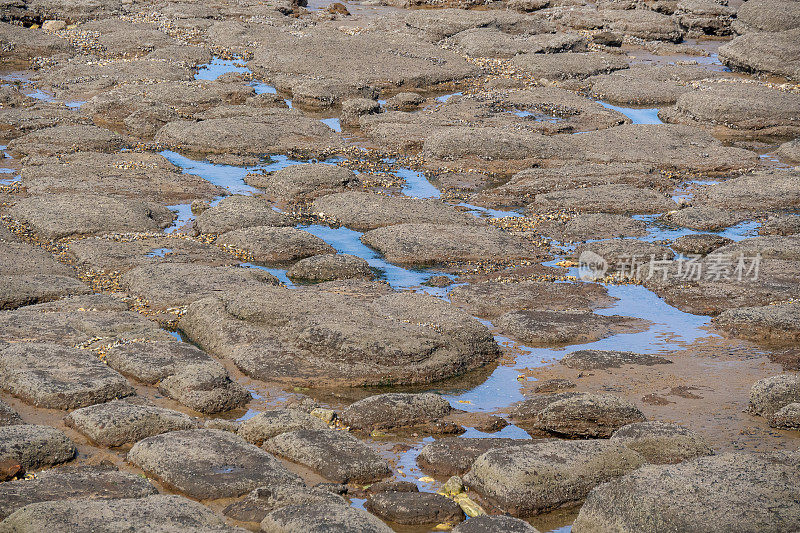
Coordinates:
<point>237,212</point>
<point>303,182</point>
<point>495,524</point>
<point>705,17</point>
<point>150,362</point>
<point>704,218</point>
<point>769,53</point>
<point>392,486</point>
<point>770,395</point>
<point>637,86</point>
<point>274,130</point>
<point>781,225</point>
<point>552,385</point>
<point>702,244</point>
<point>491,42</point>
<point>152,513</point>
<point>19,290</point>
<point>204,387</point>
<point>604,359</point>
<point>767,15</point>
<point>587,416</point>
<point>533,478</point>
<point>662,442</point>
<point>404,101</point>
<point>552,328</point>
<point>335,455</point>
<point>208,464</point>
<point>395,410</point>
<point>268,424</point>
<point>748,192</point>
<point>787,417</point>
<point>770,323</point>
<point>97,483</point>
<point>643,24</point>
<point>363,211</point>
<point>266,244</point>
<point>263,500</point>
<point>56,377</point>
<point>55,216</point>
<point>23,44</point>
<point>623,199</point>
<point>329,267</point>
<point>568,65</point>
<point>752,109</point>
<point>321,517</point>
<point>455,455</point>
<point>354,109</point>
<point>607,38</point>
<point>8,417</point>
<point>591,226</point>
<point>376,338</point>
<point>424,244</point>
<point>627,254</point>
<point>489,299</point>
<point>167,285</point>
<point>790,151</point>
<point>66,139</point>
<point>34,447</point>
<point>116,423</point>
<point>414,508</point>
<point>654,496</point>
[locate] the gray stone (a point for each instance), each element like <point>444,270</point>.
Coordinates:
<point>555,328</point>
<point>35,447</point>
<point>587,416</point>
<point>236,212</point>
<point>205,387</point>
<point>354,109</point>
<point>533,478</point>
<point>623,199</point>
<point>116,423</point>
<point>8,416</point>
<point>704,218</point>
<point>395,410</point>
<point>414,508</point>
<point>778,323</point>
<point>57,377</point>
<point>662,442</point>
<point>702,244</point>
<point>770,395</point>
<point>321,518</point>
<point>604,359</point>
<point>17,291</point>
<point>67,483</point>
<point>55,216</point>
<point>150,362</point>
<point>767,52</point>
<point>263,500</point>
<point>268,424</point>
<point>208,464</point>
<point>405,101</point>
<point>153,513</point>
<point>707,494</point>
<point>329,267</point>
<point>787,417</point>
<point>303,182</point>
<point>335,455</point>
<point>790,151</point>
<point>454,455</point>
<point>568,65</point>
<point>749,192</point>
<point>767,15</point>
<point>66,139</point>
<point>267,244</point>
<point>494,524</point>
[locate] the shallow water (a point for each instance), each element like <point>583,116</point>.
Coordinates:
<point>637,115</point>
<point>217,67</point>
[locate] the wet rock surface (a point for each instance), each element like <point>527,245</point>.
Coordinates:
<point>317,517</point>
<point>34,447</point>
<point>487,524</point>
<point>604,359</point>
<point>414,508</point>
<point>328,267</point>
<point>454,456</point>
<point>395,410</point>
<point>554,328</point>
<point>662,442</point>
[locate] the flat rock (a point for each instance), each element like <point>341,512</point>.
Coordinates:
<point>699,244</point>
<point>267,244</point>
<point>662,442</point>
<point>656,495</point>
<point>279,131</point>
<point>267,424</point>
<point>303,182</point>
<point>647,85</point>
<point>787,417</point>
<point>97,483</point>
<point>205,387</point>
<point>414,508</point>
<point>35,447</point>
<point>587,416</point>
<point>533,478</point>
<point>150,362</point>
<point>166,285</point>
<point>237,212</point>
<point>335,455</point>
<point>395,410</point>
<point>591,226</point>
<point>55,216</point>
<point>116,423</point>
<point>16,291</point>
<point>8,417</point>
<point>781,225</point>
<point>363,211</point>
<point>263,500</point>
<point>57,377</point>
<point>421,244</point>
<point>623,199</point>
<point>776,323</point>
<point>764,52</point>
<point>208,464</point>
<point>320,518</point>
<point>66,139</point>
<point>491,42</point>
<point>704,218</point>
<point>370,339</point>
<point>24,44</point>
<point>604,359</point>
<point>748,192</point>
<point>494,524</point>
<point>453,456</point>
<point>767,15</point>
<point>770,395</point>
<point>152,513</point>
<point>568,65</point>
<point>790,151</point>
<point>328,267</point>
<point>490,299</point>
<point>542,328</point>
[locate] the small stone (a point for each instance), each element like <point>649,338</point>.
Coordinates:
<point>326,415</point>
<point>10,469</point>
<point>453,486</point>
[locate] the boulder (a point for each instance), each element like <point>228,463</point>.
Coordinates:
<point>768,52</point>
<point>263,500</point>
<point>452,456</point>
<point>335,455</point>
<point>267,424</point>
<point>303,182</point>
<point>150,362</point>
<point>320,518</point>
<point>494,524</point>
<point>237,212</point>
<point>208,464</point>
<point>662,442</point>
<point>587,416</point>
<point>568,65</point>
<point>34,447</point>
<point>553,328</point>
<point>395,410</point>
<point>328,267</point>
<point>414,508</point>
<point>776,323</point>
<point>204,387</point>
<point>605,359</point>
<point>787,417</point>
<point>770,395</point>
<point>267,244</point>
